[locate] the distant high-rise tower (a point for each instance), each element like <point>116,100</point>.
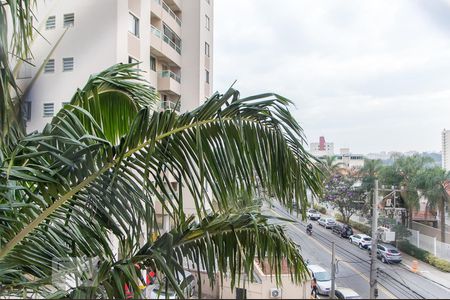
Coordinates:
<point>322,148</point>
<point>446,149</point>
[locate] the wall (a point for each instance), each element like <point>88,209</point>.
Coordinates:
<point>430,231</point>
<point>262,289</point>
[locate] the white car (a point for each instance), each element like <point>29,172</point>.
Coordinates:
<point>327,222</point>
<point>322,277</point>
<point>313,214</point>
<point>362,240</point>
<point>346,293</point>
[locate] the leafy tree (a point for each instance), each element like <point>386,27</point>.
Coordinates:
<point>403,174</point>
<point>343,193</point>
<point>96,172</point>
<point>431,182</point>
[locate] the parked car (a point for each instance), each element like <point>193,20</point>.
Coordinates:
<point>327,222</point>
<point>323,279</point>
<point>362,240</point>
<point>343,230</point>
<point>346,293</point>
<point>387,253</point>
<point>313,214</point>
<point>186,284</point>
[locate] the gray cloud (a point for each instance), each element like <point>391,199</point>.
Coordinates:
<point>371,76</point>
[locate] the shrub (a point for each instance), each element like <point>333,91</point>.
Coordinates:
<point>424,256</point>
<point>320,209</point>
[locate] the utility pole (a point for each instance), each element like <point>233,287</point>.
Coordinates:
<point>373,259</point>
<point>333,271</point>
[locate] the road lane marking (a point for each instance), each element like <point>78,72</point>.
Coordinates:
<point>389,294</point>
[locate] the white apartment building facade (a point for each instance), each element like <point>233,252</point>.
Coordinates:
<point>172,40</point>
<point>446,150</point>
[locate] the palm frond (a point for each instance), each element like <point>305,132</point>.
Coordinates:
<point>70,189</point>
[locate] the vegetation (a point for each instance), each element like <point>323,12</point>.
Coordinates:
<point>91,180</point>
<point>320,209</point>
<point>424,256</point>
<point>343,193</point>
<point>431,183</point>
<point>355,225</point>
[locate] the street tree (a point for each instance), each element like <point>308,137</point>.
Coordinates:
<point>345,194</point>
<point>432,183</point>
<point>403,174</point>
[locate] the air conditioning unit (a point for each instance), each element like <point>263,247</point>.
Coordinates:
<point>275,293</point>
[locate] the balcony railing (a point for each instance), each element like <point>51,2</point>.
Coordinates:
<point>170,105</point>
<point>168,73</point>
<point>165,38</point>
<point>169,11</point>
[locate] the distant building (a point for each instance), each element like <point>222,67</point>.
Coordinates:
<point>446,149</point>
<point>350,160</point>
<point>322,148</point>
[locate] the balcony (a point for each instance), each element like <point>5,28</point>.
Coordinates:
<point>170,105</point>
<point>169,82</point>
<point>164,47</point>
<point>168,10</point>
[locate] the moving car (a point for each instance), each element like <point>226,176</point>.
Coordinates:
<point>387,253</point>
<point>186,284</point>
<point>323,279</point>
<point>313,214</point>
<point>343,230</point>
<point>346,293</point>
<point>362,240</point>
<point>327,222</point>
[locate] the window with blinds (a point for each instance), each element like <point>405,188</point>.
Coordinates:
<point>68,64</point>
<point>49,109</point>
<point>51,23</point>
<point>69,20</point>
<point>50,66</point>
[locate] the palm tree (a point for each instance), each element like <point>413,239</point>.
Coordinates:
<point>403,173</point>
<point>95,173</point>
<point>431,181</point>
<point>369,172</point>
<point>331,165</point>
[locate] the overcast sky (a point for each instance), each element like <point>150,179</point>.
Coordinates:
<point>371,76</point>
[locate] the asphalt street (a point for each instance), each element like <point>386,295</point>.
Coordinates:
<point>394,281</point>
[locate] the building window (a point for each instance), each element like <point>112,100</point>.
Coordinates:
<point>49,109</point>
<point>207,76</point>
<point>27,110</point>
<point>206,49</point>
<point>69,20</point>
<point>68,64</point>
<point>51,23</point>
<point>133,26</point>
<point>50,66</point>
<point>152,63</point>
<point>207,22</point>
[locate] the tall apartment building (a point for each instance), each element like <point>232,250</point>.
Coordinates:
<point>322,148</point>
<point>446,150</point>
<point>172,40</point>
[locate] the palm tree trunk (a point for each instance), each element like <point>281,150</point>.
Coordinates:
<point>442,211</point>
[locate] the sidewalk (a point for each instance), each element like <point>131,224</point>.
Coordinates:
<point>427,271</point>
<point>424,269</point>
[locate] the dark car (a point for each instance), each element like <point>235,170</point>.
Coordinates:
<point>343,230</point>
